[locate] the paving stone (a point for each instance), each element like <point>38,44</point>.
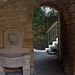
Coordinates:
<point>45,64</point>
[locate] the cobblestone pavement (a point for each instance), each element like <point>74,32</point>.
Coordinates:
<point>45,64</point>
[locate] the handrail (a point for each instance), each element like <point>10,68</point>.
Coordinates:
<point>51,27</point>
<point>52,32</point>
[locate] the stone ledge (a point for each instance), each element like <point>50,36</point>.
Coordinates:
<point>15,51</point>
<point>14,55</point>
<point>14,62</point>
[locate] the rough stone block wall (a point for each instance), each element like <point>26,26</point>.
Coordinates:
<point>19,13</point>
<point>67,36</point>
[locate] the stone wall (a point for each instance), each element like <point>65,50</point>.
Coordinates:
<point>16,63</point>
<point>14,14</point>
<point>19,14</point>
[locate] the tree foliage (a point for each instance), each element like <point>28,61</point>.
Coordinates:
<point>41,23</point>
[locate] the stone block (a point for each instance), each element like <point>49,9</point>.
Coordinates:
<point>13,38</point>
<point>2,73</point>
<point>1,69</point>
<point>28,56</point>
<point>27,61</point>
<point>12,62</point>
<point>26,68</point>
<point>26,72</point>
<point>18,13</point>
<point>4,0</point>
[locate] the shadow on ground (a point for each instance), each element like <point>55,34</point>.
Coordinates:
<point>45,64</point>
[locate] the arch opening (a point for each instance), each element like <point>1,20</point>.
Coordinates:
<point>46,26</point>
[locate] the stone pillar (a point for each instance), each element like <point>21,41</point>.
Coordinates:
<point>2,71</point>
<point>26,68</point>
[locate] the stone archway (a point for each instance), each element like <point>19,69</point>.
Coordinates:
<point>64,15</point>
<point>19,13</point>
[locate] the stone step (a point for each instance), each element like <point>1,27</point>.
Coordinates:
<point>47,49</point>
<point>51,46</point>
<point>54,42</point>
<point>56,39</point>
<point>56,45</point>
<point>53,49</point>
<point>51,52</point>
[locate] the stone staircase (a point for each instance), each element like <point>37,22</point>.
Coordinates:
<point>52,35</point>
<point>52,49</point>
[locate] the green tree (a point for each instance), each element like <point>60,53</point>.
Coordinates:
<point>41,24</point>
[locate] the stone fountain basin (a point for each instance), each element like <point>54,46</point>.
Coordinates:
<point>14,62</point>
